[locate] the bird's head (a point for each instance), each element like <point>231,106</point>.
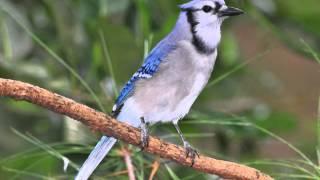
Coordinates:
<point>205,18</point>
<point>208,12</point>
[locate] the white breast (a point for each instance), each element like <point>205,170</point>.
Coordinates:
<point>205,64</point>
<point>169,95</point>
<point>184,106</point>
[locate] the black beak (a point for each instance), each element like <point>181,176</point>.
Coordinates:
<point>230,11</point>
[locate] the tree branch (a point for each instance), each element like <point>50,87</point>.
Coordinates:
<point>98,121</point>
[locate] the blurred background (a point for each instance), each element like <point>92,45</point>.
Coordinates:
<point>260,107</point>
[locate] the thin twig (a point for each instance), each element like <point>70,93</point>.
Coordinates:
<point>118,173</point>
<point>155,167</point>
<point>126,154</point>
<point>111,127</point>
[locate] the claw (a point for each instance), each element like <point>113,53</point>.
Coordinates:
<point>144,138</point>
<point>191,152</point>
<point>144,134</point>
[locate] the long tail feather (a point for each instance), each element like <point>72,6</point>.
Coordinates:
<point>96,156</point>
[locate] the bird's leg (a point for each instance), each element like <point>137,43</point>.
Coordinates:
<point>144,133</point>
<point>190,151</point>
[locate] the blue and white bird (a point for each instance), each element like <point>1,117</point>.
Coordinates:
<point>171,77</point>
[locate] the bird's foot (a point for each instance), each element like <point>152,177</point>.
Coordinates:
<point>190,152</point>
<point>144,134</point>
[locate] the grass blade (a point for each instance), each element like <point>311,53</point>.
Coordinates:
<point>30,165</point>
<point>246,122</point>
<point>310,50</point>
<point>189,135</point>
<point>171,173</point>
<point>283,164</point>
<point>109,62</point>
<point>318,132</point>
<point>280,139</point>
<point>34,175</point>
<point>147,46</point>
<point>295,176</point>
<point>6,43</point>
<point>45,147</point>
<point>56,57</point>
<point>237,68</point>
<point>218,122</point>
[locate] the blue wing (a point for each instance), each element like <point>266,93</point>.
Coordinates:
<point>146,71</point>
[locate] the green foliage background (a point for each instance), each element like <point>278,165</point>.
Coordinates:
<point>87,49</point>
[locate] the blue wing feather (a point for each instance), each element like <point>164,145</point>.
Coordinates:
<point>147,70</point>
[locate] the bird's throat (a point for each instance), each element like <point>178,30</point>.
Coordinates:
<point>205,39</point>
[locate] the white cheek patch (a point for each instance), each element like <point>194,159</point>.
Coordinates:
<point>209,31</point>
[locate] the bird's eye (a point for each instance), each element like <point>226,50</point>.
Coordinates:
<point>207,9</point>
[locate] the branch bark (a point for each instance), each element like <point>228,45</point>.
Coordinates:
<point>98,121</point>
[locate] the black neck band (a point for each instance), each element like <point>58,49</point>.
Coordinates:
<point>197,41</point>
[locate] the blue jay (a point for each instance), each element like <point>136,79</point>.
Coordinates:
<point>171,77</point>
